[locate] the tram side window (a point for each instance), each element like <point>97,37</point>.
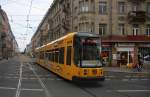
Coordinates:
<point>61,55</point>
<point>56,55</point>
<point>46,55</point>
<point>53,56</point>
<point>68,60</point>
<point>49,56</point>
<point>41,55</point>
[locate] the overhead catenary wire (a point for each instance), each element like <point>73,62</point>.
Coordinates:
<point>30,7</point>
<point>24,20</point>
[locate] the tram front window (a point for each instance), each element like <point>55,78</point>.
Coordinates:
<point>87,54</point>
<point>90,52</point>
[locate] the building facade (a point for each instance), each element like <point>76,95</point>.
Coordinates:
<point>124,26</point>
<point>8,44</point>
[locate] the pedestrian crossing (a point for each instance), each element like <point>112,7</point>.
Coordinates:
<point>53,77</point>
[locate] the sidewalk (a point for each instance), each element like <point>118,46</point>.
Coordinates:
<point>3,61</point>
<point>127,70</point>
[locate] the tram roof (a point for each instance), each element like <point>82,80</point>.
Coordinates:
<point>86,34</point>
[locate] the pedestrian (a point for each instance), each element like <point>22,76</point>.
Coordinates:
<point>139,65</point>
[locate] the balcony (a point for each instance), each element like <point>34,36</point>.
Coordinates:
<point>137,17</point>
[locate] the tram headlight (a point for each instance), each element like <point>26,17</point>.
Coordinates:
<point>94,71</point>
<point>85,71</point>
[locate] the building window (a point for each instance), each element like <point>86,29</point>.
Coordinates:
<point>84,6</point>
<point>121,7</point>
<point>148,29</point>
<point>148,8</point>
<point>135,29</point>
<point>135,7</point>
<point>102,29</point>
<point>102,7</point>
<point>121,29</point>
<point>92,6</point>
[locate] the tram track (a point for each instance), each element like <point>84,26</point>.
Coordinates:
<point>47,93</point>
<point>87,88</point>
<point>88,92</point>
<point>92,91</point>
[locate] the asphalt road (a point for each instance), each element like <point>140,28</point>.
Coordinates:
<point>21,78</point>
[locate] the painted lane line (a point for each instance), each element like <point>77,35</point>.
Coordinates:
<point>59,79</point>
<point>128,76</point>
<point>145,79</point>
<point>107,79</point>
<point>7,77</point>
<point>134,79</point>
<point>19,83</point>
<point>40,81</point>
<point>52,79</point>
<point>125,79</point>
<point>7,88</point>
<point>110,76</point>
<point>39,90</point>
<point>133,90</point>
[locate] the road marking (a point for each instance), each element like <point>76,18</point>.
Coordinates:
<point>125,79</point>
<point>19,83</point>
<point>128,76</point>
<point>107,79</point>
<point>8,77</point>
<point>40,81</point>
<point>23,89</point>
<point>133,90</point>
<point>40,90</point>
<point>134,79</point>
<point>7,88</point>
<point>59,79</point>
<point>145,79</point>
<point>110,76</point>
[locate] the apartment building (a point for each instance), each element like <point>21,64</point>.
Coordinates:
<point>124,26</point>
<point>8,44</point>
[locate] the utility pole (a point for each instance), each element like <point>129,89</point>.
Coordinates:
<point>110,30</point>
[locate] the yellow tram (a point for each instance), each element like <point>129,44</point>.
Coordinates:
<point>74,57</point>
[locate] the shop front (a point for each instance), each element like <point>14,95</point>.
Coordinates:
<point>125,50</point>
<point>125,56</point>
<point>106,56</point>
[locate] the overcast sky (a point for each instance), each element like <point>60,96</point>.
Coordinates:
<point>24,17</point>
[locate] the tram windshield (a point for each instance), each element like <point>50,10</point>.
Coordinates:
<point>87,52</point>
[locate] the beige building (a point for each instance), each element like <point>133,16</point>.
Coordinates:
<point>124,26</point>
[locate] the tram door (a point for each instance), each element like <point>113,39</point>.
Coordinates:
<point>68,62</point>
